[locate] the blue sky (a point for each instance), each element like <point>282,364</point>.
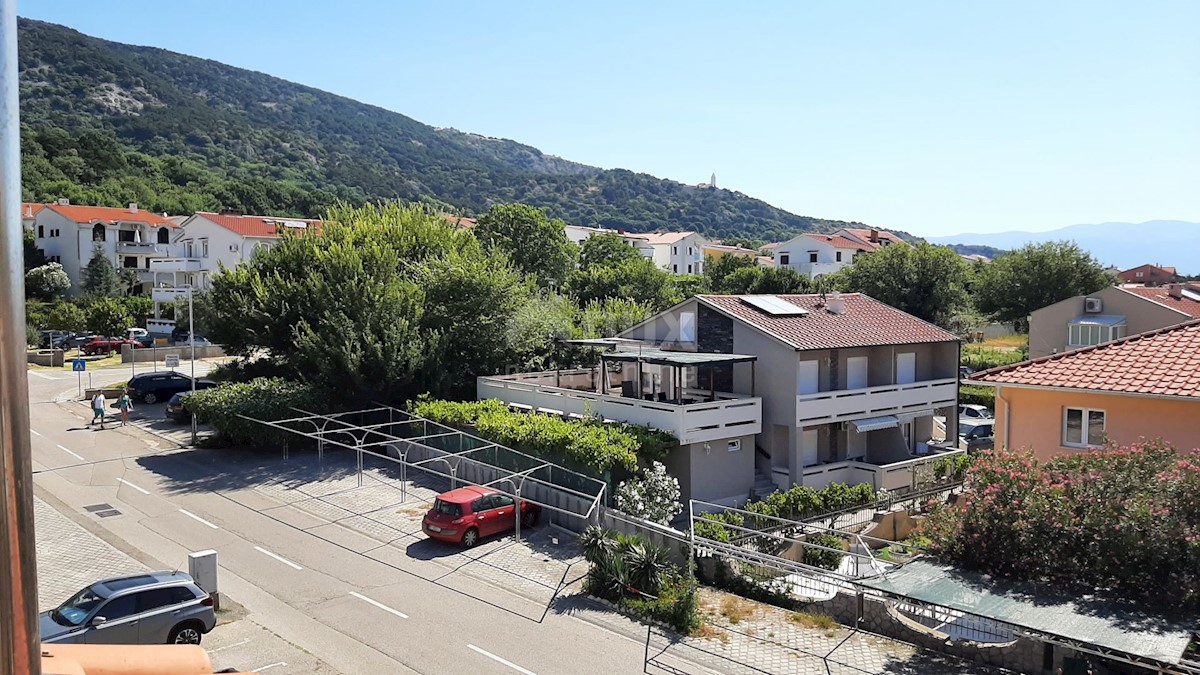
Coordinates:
<point>932,117</point>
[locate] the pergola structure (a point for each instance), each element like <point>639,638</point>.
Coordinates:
<point>408,440</point>
<point>676,360</point>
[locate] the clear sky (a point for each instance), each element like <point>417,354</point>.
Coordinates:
<point>932,117</point>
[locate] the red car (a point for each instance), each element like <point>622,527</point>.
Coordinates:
<point>104,345</point>
<point>465,515</point>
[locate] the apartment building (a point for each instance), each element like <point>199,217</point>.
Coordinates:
<point>1109,314</point>
<point>210,240</point>
<point>816,254</point>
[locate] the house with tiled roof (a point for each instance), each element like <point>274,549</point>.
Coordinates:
<point>1109,314</point>
<point>131,238</point>
<point>816,254</point>
<point>229,239</point>
<point>878,238</point>
<point>1141,386</point>
<point>764,391</point>
<point>1149,275</point>
<point>676,252</point>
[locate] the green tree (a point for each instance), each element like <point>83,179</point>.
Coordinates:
<point>766,281</point>
<point>637,279</point>
<point>34,256</point>
<point>107,316</point>
<point>607,317</point>
<point>47,282</point>
<point>66,316</point>
<point>100,277</point>
<point>1034,276</point>
<point>717,269</point>
<point>926,281</point>
<point>533,242</point>
<point>605,249</point>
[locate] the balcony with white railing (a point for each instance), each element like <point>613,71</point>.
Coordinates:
<point>907,474</point>
<point>176,265</point>
<point>846,404</point>
<point>699,415</point>
<point>147,249</point>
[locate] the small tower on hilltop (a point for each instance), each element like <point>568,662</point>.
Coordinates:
<point>712,182</point>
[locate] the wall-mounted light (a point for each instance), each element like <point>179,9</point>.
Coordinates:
<point>707,448</point>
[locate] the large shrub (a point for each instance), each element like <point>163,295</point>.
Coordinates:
<point>1125,519</point>
<point>653,496</point>
<point>262,398</point>
<point>638,575</point>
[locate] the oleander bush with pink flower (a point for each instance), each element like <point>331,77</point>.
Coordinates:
<point>1125,519</point>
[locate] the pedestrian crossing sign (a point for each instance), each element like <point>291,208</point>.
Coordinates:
<point>78,366</point>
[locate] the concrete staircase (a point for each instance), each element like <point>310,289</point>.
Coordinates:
<point>763,485</point>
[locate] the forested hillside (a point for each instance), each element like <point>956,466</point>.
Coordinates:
<point>108,123</point>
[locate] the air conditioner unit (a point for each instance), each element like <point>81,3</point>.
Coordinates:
<point>1093,305</point>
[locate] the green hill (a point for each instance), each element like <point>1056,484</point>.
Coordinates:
<point>108,123</point>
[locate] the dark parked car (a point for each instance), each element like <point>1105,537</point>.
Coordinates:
<point>153,608</point>
<point>155,387</point>
<point>175,410</point>
<point>57,339</point>
<point>979,434</point>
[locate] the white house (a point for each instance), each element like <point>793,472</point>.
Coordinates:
<point>577,234</point>
<point>129,237</point>
<point>862,235</point>
<point>228,239</point>
<point>815,254</point>
<point>677,252</point>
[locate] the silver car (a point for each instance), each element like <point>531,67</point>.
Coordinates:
<point>150,608</point>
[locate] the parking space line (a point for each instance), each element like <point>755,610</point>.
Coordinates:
<point>193,516</point>
<point>281,559</point>
<point>72,453</point>
<point>221,649</point>
<point>510,664</point>
<point>122,480</point>
<point>269,666</point>
<point>34,432</point>
<point>44,377</point>
<point>380,605</point>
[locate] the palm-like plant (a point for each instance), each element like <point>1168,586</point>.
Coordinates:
<point>648,566</point>
<point>598,543</point>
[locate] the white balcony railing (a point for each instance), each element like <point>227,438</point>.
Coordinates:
<point>816,269</point>
<point>168,294</point>
<point>846,404</point>
<point>907,473</point>
<point>729,416</point>
<point>138,248</point>
<point>176,265</point>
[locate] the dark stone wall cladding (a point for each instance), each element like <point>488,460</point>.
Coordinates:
<point>714,331</point>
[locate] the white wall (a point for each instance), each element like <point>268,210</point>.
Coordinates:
<point>197,229</point>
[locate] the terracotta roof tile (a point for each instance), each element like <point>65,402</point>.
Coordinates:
<point>256,226</point>
<point>838,241</point>
<point>865,234</point>
<point>1161,295</point>
<point>1164,361</point>
<point>663,237</point>
<point>108,214</point>
<point>865,322</point>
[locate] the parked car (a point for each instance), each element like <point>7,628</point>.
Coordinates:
<point>151,608</point>
<point>154,387</point>
<point>964,372</point>
<point>104,345</point>
<point>55,339</point>
<point>974,411</point>
<point>466,515</point>
<point>135,333</point>
<point>80,339</point>
<point>978,434</point>
<point>175,410</point>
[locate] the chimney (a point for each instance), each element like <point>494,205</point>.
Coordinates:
<point>63,201</point>
<point>1175,291</point>
<point>836,305</point>
<point>29,210</point>
<point>874,236</point>
<point>133,207</point>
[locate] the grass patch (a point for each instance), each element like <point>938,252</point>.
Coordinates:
<point>813,620</point>
<point>709,632</point>
<point>735,609</point>
<point>1014,341</point>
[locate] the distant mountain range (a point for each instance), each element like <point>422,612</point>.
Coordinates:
<point>1124,245</point>
<point>106,123</point>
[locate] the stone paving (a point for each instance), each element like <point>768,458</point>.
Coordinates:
<point>69,557</point>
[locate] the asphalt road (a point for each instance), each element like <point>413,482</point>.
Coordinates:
<point>355,613</point>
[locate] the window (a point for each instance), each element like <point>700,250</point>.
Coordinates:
<point>734,446</point>
<point>675,269</point>
<point>54,232</point>
<point>98,233</point>
<point>1087,334</point>
<point>812,256</point>
<point>118,608</point>
<point>126,236</point>
<point>689,269</point>
<point>838,256</point>
<point>164,236</point>
<point>480,505</point>
<point>674,250</point>
<point>181,594</point>
<point>447,508</point>
<point>501,501</point>
<point>1139,275</point>
<point>689,250</point>
<point>783,258</point>
<point>55,259</point>
<point>129,262</point>
<point>1083,427</point>
<point>203,248</point>
<point>188,249</point>
<point>41,231</point>
<point>156,598</point>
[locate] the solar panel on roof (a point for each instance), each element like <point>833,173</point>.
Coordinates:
<point>773,305</point>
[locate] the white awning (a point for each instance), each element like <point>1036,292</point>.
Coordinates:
<point>875,423</point>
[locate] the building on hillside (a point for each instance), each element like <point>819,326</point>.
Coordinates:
<point>677,252</point>
<point>765,261</point>
<point>1139,387</point>
<point>1149,275</point>
<point>460,222</point>
<point>816,254</point>
<point>879,238</point>
<point>229,239</point>
<point>130,238</point>
<point>1109,314</point>
<point>718,251</point>
<point>766,391</point>
<point>577,234</point>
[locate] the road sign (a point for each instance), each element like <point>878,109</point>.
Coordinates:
<point>78,366</point>
<point>172,360</point>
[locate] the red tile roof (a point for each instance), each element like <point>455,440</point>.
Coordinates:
<point>663,237</point>
<point>865,234</point>
<point>1164,362</point>
<point>257,226</point>
<point>109,214</point>
<point>28,209</point>
<point>838,241</point>
<point>458,221</point>
<point>865,322</point>
<point>1161,295</point>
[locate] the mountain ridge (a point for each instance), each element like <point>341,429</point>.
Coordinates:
<point>109,123</point>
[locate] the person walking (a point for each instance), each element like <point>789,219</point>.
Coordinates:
<point>98,403</point>
<point>125,405</point>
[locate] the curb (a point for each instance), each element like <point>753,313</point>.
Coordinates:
<point>623,612</point>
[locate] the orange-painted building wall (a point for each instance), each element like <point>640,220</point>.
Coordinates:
<point>1037,419</point>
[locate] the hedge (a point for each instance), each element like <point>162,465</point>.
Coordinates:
<point>984,396</point>
<point>983,358</point>
<point>264,398</point>
<point>798,503</point>
<point>591,444</point>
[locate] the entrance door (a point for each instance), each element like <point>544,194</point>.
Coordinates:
<point>906,368</point>
<point>808,380</point>
<point>808,446</point>
<point>856,372</point>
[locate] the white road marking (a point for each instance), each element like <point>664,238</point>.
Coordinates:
<point>122,480</point>
<point>44,377</point>
<point>34,432</point>
<point>281,559</point>
<point>220,649</point>
<point>380,605</point>
<point>269,665</point>
<point>193,516</point>
<point>72,453</point>
<point>510,664</point>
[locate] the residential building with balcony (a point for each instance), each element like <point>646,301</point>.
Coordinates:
<point>229,239</point>
<point>1109,314</point>
<point>676,252</point>
<point>816,254</point>
<point>130,238</point>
